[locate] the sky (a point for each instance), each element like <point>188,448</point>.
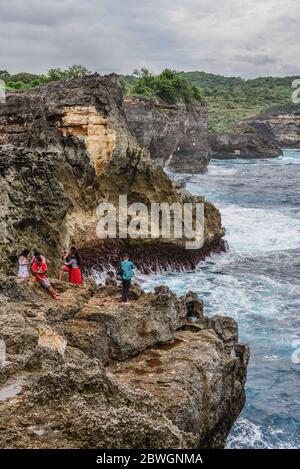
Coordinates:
<point>245,38</point>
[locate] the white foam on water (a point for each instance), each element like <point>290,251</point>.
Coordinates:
<point>246,434</point>
<point>216,170</point>
<point>239,284</point>
<point>271,357</point>
<point>290,156</point>
<point>259,230</point>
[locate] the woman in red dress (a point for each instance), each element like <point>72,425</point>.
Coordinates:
<point>74,264</point>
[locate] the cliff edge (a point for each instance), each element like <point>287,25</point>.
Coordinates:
<point>64,148</point>
<point>175,135</point>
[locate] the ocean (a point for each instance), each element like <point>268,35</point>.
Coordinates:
<point>257,283</point>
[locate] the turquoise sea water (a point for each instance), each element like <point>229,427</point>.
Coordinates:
<point>258,283</point>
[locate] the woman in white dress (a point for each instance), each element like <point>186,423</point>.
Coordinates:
<point>24,264</point>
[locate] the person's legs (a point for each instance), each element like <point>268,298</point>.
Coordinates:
<point>62,271</point>
<point>46,285</point>
<point>126,286</point>
<point>123,292</point>
<point>53,293</point>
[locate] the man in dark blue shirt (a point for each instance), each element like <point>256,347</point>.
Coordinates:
<point>127,272</point>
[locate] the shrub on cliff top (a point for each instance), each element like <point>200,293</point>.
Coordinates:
<point>168,86</point>
<point>24,80</point>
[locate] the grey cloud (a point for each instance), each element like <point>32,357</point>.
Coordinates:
<point>230,37</point>
<point>256,59</point>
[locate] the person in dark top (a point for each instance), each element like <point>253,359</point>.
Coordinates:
<point>127,273</point>
<point>65,257</point>
<point>74,265</point>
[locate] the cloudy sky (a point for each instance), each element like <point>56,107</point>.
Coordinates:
<point>232,37</point>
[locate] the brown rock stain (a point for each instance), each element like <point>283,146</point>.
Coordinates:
<point>84,122</point>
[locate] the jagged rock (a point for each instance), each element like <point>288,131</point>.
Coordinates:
<point>194,305</point>
<point>178,374</point>
<point>177,389</point>
<point>176,136</point>
<point>65,147</point>
<point>226,329</point>
<point>248,140</point>
<point>123,331</point>
<point>242,351</point>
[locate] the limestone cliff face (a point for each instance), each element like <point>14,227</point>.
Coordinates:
<point>176,136</point>
<point>284,125</point>
<point>65,147</point>
<point>248,140</point>
<point>262,136</point>
<point>90,372</point>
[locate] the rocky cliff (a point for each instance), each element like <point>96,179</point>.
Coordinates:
<point>249,140</point>
<point>90,372</point>
<point>65,147</point>
<point>176,136</point>
<point>262,136</point>
<point>285,126</point>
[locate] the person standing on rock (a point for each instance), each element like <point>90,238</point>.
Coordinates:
<point>24,264</point>
<point>74,265</point>
<point>65,257</point>
<point>126,272</point>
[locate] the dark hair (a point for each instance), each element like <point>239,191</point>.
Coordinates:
<point>38,258</point>
<point>36,253</point>
<point>74,253</point>
<point>25,252</point>
<point>125,254</point>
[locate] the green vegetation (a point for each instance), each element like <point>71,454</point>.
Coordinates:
<point>169,86</point>
<point>228,99</point>
<point>25,80</point>
<point>232,99</point>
